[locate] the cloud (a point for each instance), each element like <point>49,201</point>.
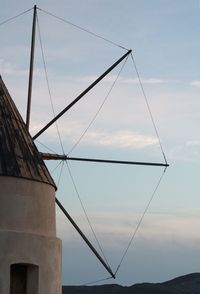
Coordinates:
<point>145,81</point>
<point>117,228</point>
<point>180,227</point>
<point>121,139</point>
<point>188,151</point>
<point>193,143</point>
<point>6,68</point>
<point>112,78</point>
<point>106,138</point>
<point>195,84</point>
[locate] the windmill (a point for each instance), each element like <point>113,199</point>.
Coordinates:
<point>30,259</point>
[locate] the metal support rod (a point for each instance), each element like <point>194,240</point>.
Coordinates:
<point>81,95</point>
<point>49,156</point>
<point>31,67</point>
<point>84,237</point>
<point>117,161</point>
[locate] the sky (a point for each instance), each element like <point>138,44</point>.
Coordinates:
<point>164,37</point>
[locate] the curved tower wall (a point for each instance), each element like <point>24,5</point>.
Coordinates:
<point>27,206</point>
<point>30,253</point>
<point>28,235</point>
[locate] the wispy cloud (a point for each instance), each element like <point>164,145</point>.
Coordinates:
<point>145,81</point>
<point>195,84</point>
<point>193,143</point>
<point>109,138</point>
<point>188,151</point>
<point>155,228</point>
<point>120,139</point>
<point>7,68</point>
<point>112,78</point>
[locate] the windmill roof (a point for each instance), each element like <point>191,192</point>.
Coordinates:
<point>19,156</point>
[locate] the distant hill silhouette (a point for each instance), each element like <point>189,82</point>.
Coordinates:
<point>188,284</point>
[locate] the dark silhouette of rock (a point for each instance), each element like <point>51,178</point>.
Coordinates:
<point>188,284</point>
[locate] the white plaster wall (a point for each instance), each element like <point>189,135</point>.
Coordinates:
<point>45,252</point>
<point>27,206</point>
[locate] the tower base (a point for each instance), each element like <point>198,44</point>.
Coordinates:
<point>30,264</point>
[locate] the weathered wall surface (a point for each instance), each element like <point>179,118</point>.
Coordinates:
<point>27,206</point>
<point>44,252</point>
<point>28,233</point>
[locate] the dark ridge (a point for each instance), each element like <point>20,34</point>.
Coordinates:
<point>188,284</point>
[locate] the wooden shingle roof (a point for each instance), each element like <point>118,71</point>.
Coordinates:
<point>19,157</point>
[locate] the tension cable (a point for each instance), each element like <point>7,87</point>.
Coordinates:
<point>55,168</point>
<point>14,17</point>
<point>85,212</point>
<point>149,109</point>
<point>58,132</point>
<point>83,29</point>
<point>97,281</point>
<point>45,146</point>
<point>100,107</point>
<point>48,85</point>
<point>140,221</point>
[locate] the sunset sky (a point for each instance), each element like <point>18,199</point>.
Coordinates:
<point>165,38</point>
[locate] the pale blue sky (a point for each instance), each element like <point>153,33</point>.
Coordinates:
<point>164,36</point>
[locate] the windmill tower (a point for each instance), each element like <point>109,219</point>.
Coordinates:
<point>30,255</point>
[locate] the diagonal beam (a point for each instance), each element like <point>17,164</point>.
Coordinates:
<point>48,156</point>
<point>82,94</point>
<point>84,237</point>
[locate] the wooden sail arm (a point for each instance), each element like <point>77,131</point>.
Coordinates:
<point>28,111</point>
<point>82,94</point>
<point>49,156</point>
<point>84,238</point>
